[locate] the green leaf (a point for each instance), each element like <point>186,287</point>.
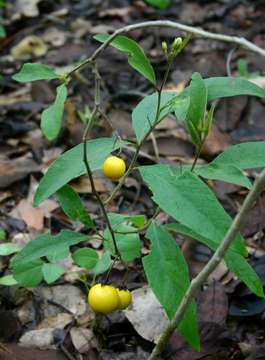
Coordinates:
<point>2,32</point>
<point>224,172</point>
<point>238,265</point>
<point>234,261</point>
<point>197,108</point>
<point>8,280</point>
<point>103,263</point>
<point>219,87</point>
<point>32,72</point>
<point>161,4</point>
<point>136,56</point>
<point>181,106</point>
<point>198,100</point>
<point>86,258</point>
<point>168,276</point>
<point>70,165</point>
<point>72,205</point>
<point>242,67</point>
<point>8,249</point>
<point>248,155</point>
<point>190,201</point>
<point>2,234</point>
<point>51,118</point>
<point>47,245</point>
<point>128,244</point>
<point>52,272</point>
<point>143,115</point>
<point>63,254</point>
<point>28,274</point>
<point>138,221</point>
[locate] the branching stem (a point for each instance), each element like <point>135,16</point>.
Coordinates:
<point>197,282</point>
<point>175,25</point>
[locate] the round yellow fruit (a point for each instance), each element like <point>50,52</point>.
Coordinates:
<point>114,167</point>
<point>103,298</point>
<point>125,297</point>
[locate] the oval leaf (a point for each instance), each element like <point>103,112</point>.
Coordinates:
<point>248,155</point>
<point>32,72</point>
<point>52,272</point>
<point>103,264</point>
<point>28,274</point>
<point>234,261</point>
<point>47,245</point>
<point>168,276</point>
<point>70,165</point>
<point>191,202</point>
<point>86,258</point>
<point>161,4</point>
<point>143,115</point>
<point>51,118</point>
<point>136,56</point>
<point>8,280</point>
<point>72,205</point>
<point>8,249</point>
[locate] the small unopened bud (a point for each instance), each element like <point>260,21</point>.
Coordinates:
<point>177,43</point>
<point>164,47</point>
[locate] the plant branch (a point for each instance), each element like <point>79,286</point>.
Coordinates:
<point>197,282</point>
<point>138,147</point>
<point>175,25</point>
<point>85,158</point>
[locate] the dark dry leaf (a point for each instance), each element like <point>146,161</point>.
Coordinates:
<point>213,304</point>
<point>15,352</point>
<point>9,325</point>
<point>216,343</point>
<point>215,339</point>
<point>16,169</point>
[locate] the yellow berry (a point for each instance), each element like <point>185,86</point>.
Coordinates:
<point>125,297</point>
<point>103,298</point>
<point>114,167</point>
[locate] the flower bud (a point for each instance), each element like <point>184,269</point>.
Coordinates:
<point>164,47</point>
<point>177,44</point>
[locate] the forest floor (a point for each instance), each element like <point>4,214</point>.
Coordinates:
<point>231,318</point>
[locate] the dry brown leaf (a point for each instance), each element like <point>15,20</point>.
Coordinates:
<point>33,217</point>
<point>216,142</point>
<point>82,185</point>
<point>17,169</point>
<point>30,46</point>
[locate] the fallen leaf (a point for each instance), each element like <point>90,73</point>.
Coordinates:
<point>216,142</point>
<point>33,217</point>
<point>82,339</point>
<point>83,186</point>
<point>59,321</point>
<point>141,312</point>
<point>28,8</point>
<point>68,296</point>
<point>17,169</point>
<point>213,304</point>
<point>41,339</point>
<point>16,352</point>
<point>30,46</point>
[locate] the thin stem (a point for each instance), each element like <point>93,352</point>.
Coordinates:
<point>85,158</point>
<point>197,282</point>
<point>138,148</point>
<point>96,194</point>
<point>170,24</point>
<point>197,155</point>
<point>109,271</point>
